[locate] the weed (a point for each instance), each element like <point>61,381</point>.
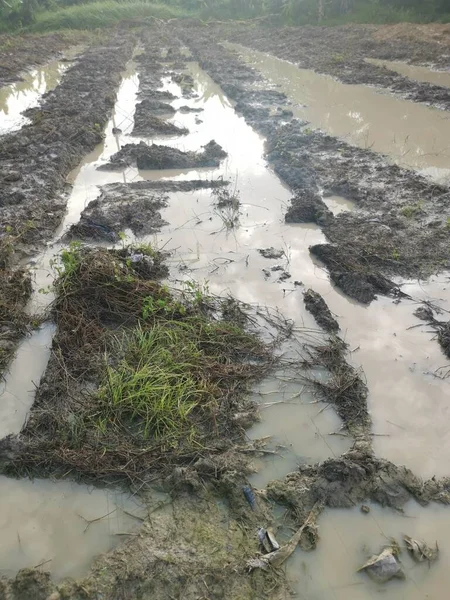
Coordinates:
<point>412,211</point>
<point>102,14</point>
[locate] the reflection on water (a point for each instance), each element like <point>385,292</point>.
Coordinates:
<point>413,135</point>
<point>348,538</point>
<point>46,523</point>
<point>20,382</point>
<point>18,97</point>
<point>408,405</point>
<point>425,74</point>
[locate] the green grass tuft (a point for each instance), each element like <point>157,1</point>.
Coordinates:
<point>102,14</point>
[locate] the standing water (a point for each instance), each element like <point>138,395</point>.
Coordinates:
<point>223,248</point>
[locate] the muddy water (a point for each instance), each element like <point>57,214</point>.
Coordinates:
<point>47,523</point>
<point>18,97</point>
<point>17,389</point>
<point>413,135</point>
<point>415,72</point>
<point>349,538</point>
<point>221,246</point>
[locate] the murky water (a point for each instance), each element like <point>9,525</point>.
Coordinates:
<point>20,382</point>
<point>415,72</point>
<point>407,400</point>
<point>411,134</point>
<point>348,538</point>
<point>61,525</point>
<point>18,97</point>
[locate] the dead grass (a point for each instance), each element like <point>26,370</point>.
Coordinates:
<point>141,378</point>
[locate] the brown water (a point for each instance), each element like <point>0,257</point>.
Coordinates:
<point>411,134</point>
<point>348,538</point>
<point>408,402</point>
<point>417,73</point>
<point>47,523</point>
<point>18,97</point>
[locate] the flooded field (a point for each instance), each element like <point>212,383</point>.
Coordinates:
<point>222,224</point>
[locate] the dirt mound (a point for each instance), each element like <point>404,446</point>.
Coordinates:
<point>153,156</point>
<point>307,207</point>
<point>358,281</point>
<point>352,479</point>
<point>117,209</point>
<point>148,125</point>
<point>317,306</point>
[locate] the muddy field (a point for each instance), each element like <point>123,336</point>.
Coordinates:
<point>203,279</point>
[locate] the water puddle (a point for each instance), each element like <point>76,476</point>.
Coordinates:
<point>16,98</point>
<point>18,388</point>
<point>61,525</point>
<point>417,73</point>
<point>411,134</point>
<point>349,538</point>
<point>221,245</point>
<point>338,204</point>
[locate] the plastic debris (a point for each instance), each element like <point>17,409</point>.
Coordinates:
<point>249,496</point>
<point>267,540</point>
<point>419,550</point>
<point>277,557</point>
<point>384,566</point>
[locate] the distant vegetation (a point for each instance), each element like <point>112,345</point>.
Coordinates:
<point>48,15</point>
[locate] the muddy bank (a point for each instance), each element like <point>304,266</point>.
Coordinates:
<point>35,161</point>
<point>188,549</point>
<point>322,49</point>
<point>354,478</point>
<point>135,206</point>
<point>15,291</point>
<point>399,228</point>
<point>19,53</point>
<point>156,157</point>
<point>117,210</point>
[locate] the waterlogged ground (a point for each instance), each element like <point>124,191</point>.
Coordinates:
<point>399,357</point>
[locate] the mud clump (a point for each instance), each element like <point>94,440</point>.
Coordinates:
<point>317,306</point>
<point>308,207</point>
<point>345,388</point>
<point>118,209</point>
<point>425,313</point>
<point>353,478</point>
<point>149,125</point>
<point>153,156</point>
<point>358,281</point>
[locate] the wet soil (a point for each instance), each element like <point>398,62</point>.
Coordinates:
<point>201,549</point>
<point>156,157</point>
<point>117,210</point>
<point>321,49</point>
<point>68,124</point>
<point>399,229</point>
<point>19,53</point>
<point>317,306</point>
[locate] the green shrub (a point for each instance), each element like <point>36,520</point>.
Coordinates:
<point>101,14</point>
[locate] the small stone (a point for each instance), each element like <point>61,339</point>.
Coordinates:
<point>116,130</point>
<point>365,509</point>
<point>12,176</point>
<point>54,596</point>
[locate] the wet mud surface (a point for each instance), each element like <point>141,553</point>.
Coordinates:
<point>393,233</point>
<point>19,53</point>
<point>321,49</point>
<point>108,302</point>
<point>155,157</point>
